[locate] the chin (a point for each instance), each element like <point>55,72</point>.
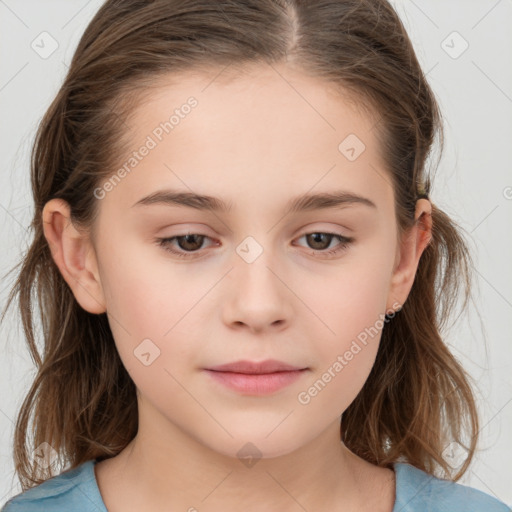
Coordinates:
<point>252,444</point>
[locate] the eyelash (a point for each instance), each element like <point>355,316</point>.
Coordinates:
<point>165,243</point>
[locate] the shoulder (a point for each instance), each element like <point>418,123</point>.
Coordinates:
<point>74,489</point>
<point>417,491</point>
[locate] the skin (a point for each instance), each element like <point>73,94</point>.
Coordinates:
<point>215,307</point>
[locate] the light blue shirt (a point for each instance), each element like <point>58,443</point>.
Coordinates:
<point>76,490</point>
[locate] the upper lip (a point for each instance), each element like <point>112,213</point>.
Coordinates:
<point>253,367</point>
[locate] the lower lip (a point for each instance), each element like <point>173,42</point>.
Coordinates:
<point>252,384</point>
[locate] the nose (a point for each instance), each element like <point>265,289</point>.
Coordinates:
<point>258,298</point>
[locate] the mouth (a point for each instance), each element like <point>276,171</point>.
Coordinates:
<point>256,378</point>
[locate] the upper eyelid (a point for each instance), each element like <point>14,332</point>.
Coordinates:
<point>330,230</point>
<point>302,233</point>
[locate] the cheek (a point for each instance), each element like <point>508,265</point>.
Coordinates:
<point>150,305</point>
<point>345,357</point>
<point>351,304</point>
<point>350,297</point>
<point>147,294</point>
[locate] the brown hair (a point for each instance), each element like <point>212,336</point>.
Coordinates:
<point>417,398</point>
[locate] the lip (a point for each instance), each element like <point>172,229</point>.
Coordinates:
<point>256,378</point>
<point>253,367</point>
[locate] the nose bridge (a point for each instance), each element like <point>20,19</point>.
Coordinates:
<point>257,296</point>
<point>256,261</point>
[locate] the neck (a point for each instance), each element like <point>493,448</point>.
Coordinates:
<point>163,468</point>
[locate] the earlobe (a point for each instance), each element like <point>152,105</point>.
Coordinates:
<point>412,245</point>
<point>74,255</point>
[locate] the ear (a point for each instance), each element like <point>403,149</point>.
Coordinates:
<point>74,255</point>
<point>411,247</point>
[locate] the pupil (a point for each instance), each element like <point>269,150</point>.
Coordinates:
<point>316,237</point>
<point>187,239</point>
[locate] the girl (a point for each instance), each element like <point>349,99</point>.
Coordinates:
<point>242,279</point>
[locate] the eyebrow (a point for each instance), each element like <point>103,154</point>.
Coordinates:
<point>302,203</point>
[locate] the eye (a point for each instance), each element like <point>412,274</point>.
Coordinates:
<point>320,241</point>
<point>192,243</point>
<point>189,243</point>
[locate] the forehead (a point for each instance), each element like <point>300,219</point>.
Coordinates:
<point>249,96</point>
<point>250,128</point>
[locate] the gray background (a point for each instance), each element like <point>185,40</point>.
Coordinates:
<point>474,185</point>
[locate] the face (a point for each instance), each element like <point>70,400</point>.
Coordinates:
<point>190,288</point>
